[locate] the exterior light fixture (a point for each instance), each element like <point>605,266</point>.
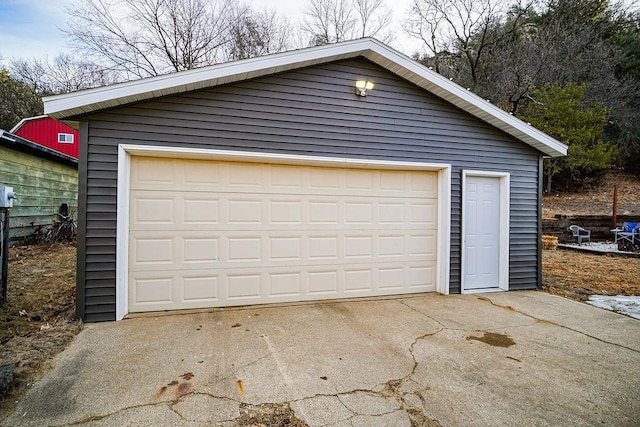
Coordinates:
<point>362,86</point>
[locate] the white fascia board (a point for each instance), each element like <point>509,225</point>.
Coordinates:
<point>23,121</point>
<point>93,100</point>
<point>440,86</point>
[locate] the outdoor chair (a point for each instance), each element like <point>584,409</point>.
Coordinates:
<point>580,233</point>
<point>630,231</point>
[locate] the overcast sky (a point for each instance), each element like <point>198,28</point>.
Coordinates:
<point>30,28</point>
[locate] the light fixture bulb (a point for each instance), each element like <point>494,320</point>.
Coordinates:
<point>362,86</point>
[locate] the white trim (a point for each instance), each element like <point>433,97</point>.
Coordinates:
<point>252,156</point>
<point>122,233</point>
<point>93,100</point>
<point>23,121</point>
<point>444,230</point>
<point>125,151</point>
<point>505,208</point>
<point>66,134</point>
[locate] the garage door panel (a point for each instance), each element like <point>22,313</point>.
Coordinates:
<point>200,211</point>
<point>194,250</point>
<point>288,227</point>
<point>244,249</point>
<point>323,282</point>
<point>200,249</point>
<point>153,250</point>
<point>391,246</point>
<point>153,210</point>
<point>285,212</point>
<point>391,278</point>
<point>152,290</point>
<point>359,280</point>
<point>200,289</point>
<point>295,191</point>
<point>285,248</point>
<point>244,212</point>
<point>285,284</point>
<point>244,175</point>
<point>223,233</point>
<point>423,213</point>
<point>422,277</point>
<point>236,177</point>
<point>195,209</point>
<point>422,245</point>
<point>358,246</point>
<point>232,287</point>
<point>200,173</point>
<point>287,177</point>
<point>153,171</point>
<point>359,213</point>
<point>244,286</point>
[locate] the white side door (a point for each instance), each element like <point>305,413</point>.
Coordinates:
<point>485,226</point>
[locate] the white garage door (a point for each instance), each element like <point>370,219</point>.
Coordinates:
<point>218,233</point>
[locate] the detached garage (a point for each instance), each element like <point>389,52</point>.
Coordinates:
<point>275,179</point>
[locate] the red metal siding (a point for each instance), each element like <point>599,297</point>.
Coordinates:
<point>45,132</point>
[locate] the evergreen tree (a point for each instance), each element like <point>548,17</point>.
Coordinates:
<point>17,101</point>
<point>561,113</point>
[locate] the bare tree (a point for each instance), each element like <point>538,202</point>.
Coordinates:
<point>141,38</point>
<point>260,33</point>
<point>459,27</point>
<point>331,21</point>
<point>374,18</point>
<point>62,75</point>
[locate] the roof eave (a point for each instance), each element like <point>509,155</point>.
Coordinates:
<point>24,145</point>
<point>442,87</point>
<point>23,121</point>
<point>93,100</point>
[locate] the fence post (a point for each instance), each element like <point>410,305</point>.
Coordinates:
<point>614,216</point>
<point>4,254</point>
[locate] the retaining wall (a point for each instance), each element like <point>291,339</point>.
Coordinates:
<point>600,226</point>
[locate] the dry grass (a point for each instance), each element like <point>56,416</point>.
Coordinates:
<point>37,322</point>
<point>597,200</point>
<point>577,275</point>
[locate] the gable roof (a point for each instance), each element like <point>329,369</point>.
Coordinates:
<point>23,145</point>
<point>26,119</point>
<point>94,100</point>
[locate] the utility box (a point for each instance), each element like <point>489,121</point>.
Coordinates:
<point>6,196</point>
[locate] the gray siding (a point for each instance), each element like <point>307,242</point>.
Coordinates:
<point>313,111</point>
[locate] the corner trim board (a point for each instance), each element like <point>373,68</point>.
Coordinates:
<point>125,151</point>
<point>122,233</point>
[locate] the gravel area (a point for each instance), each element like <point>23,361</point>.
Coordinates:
<point>598,247</point>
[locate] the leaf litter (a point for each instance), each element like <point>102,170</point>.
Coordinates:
<point>38,320</point>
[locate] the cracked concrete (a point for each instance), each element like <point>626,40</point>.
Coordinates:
<point>412,361</point>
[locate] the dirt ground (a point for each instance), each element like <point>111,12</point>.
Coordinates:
<point>37,322</point>
<point>597,200</point>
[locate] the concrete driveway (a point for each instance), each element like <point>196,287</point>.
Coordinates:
<point>516,358</point>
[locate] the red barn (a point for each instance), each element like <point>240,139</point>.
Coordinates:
<point>49,132</point>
